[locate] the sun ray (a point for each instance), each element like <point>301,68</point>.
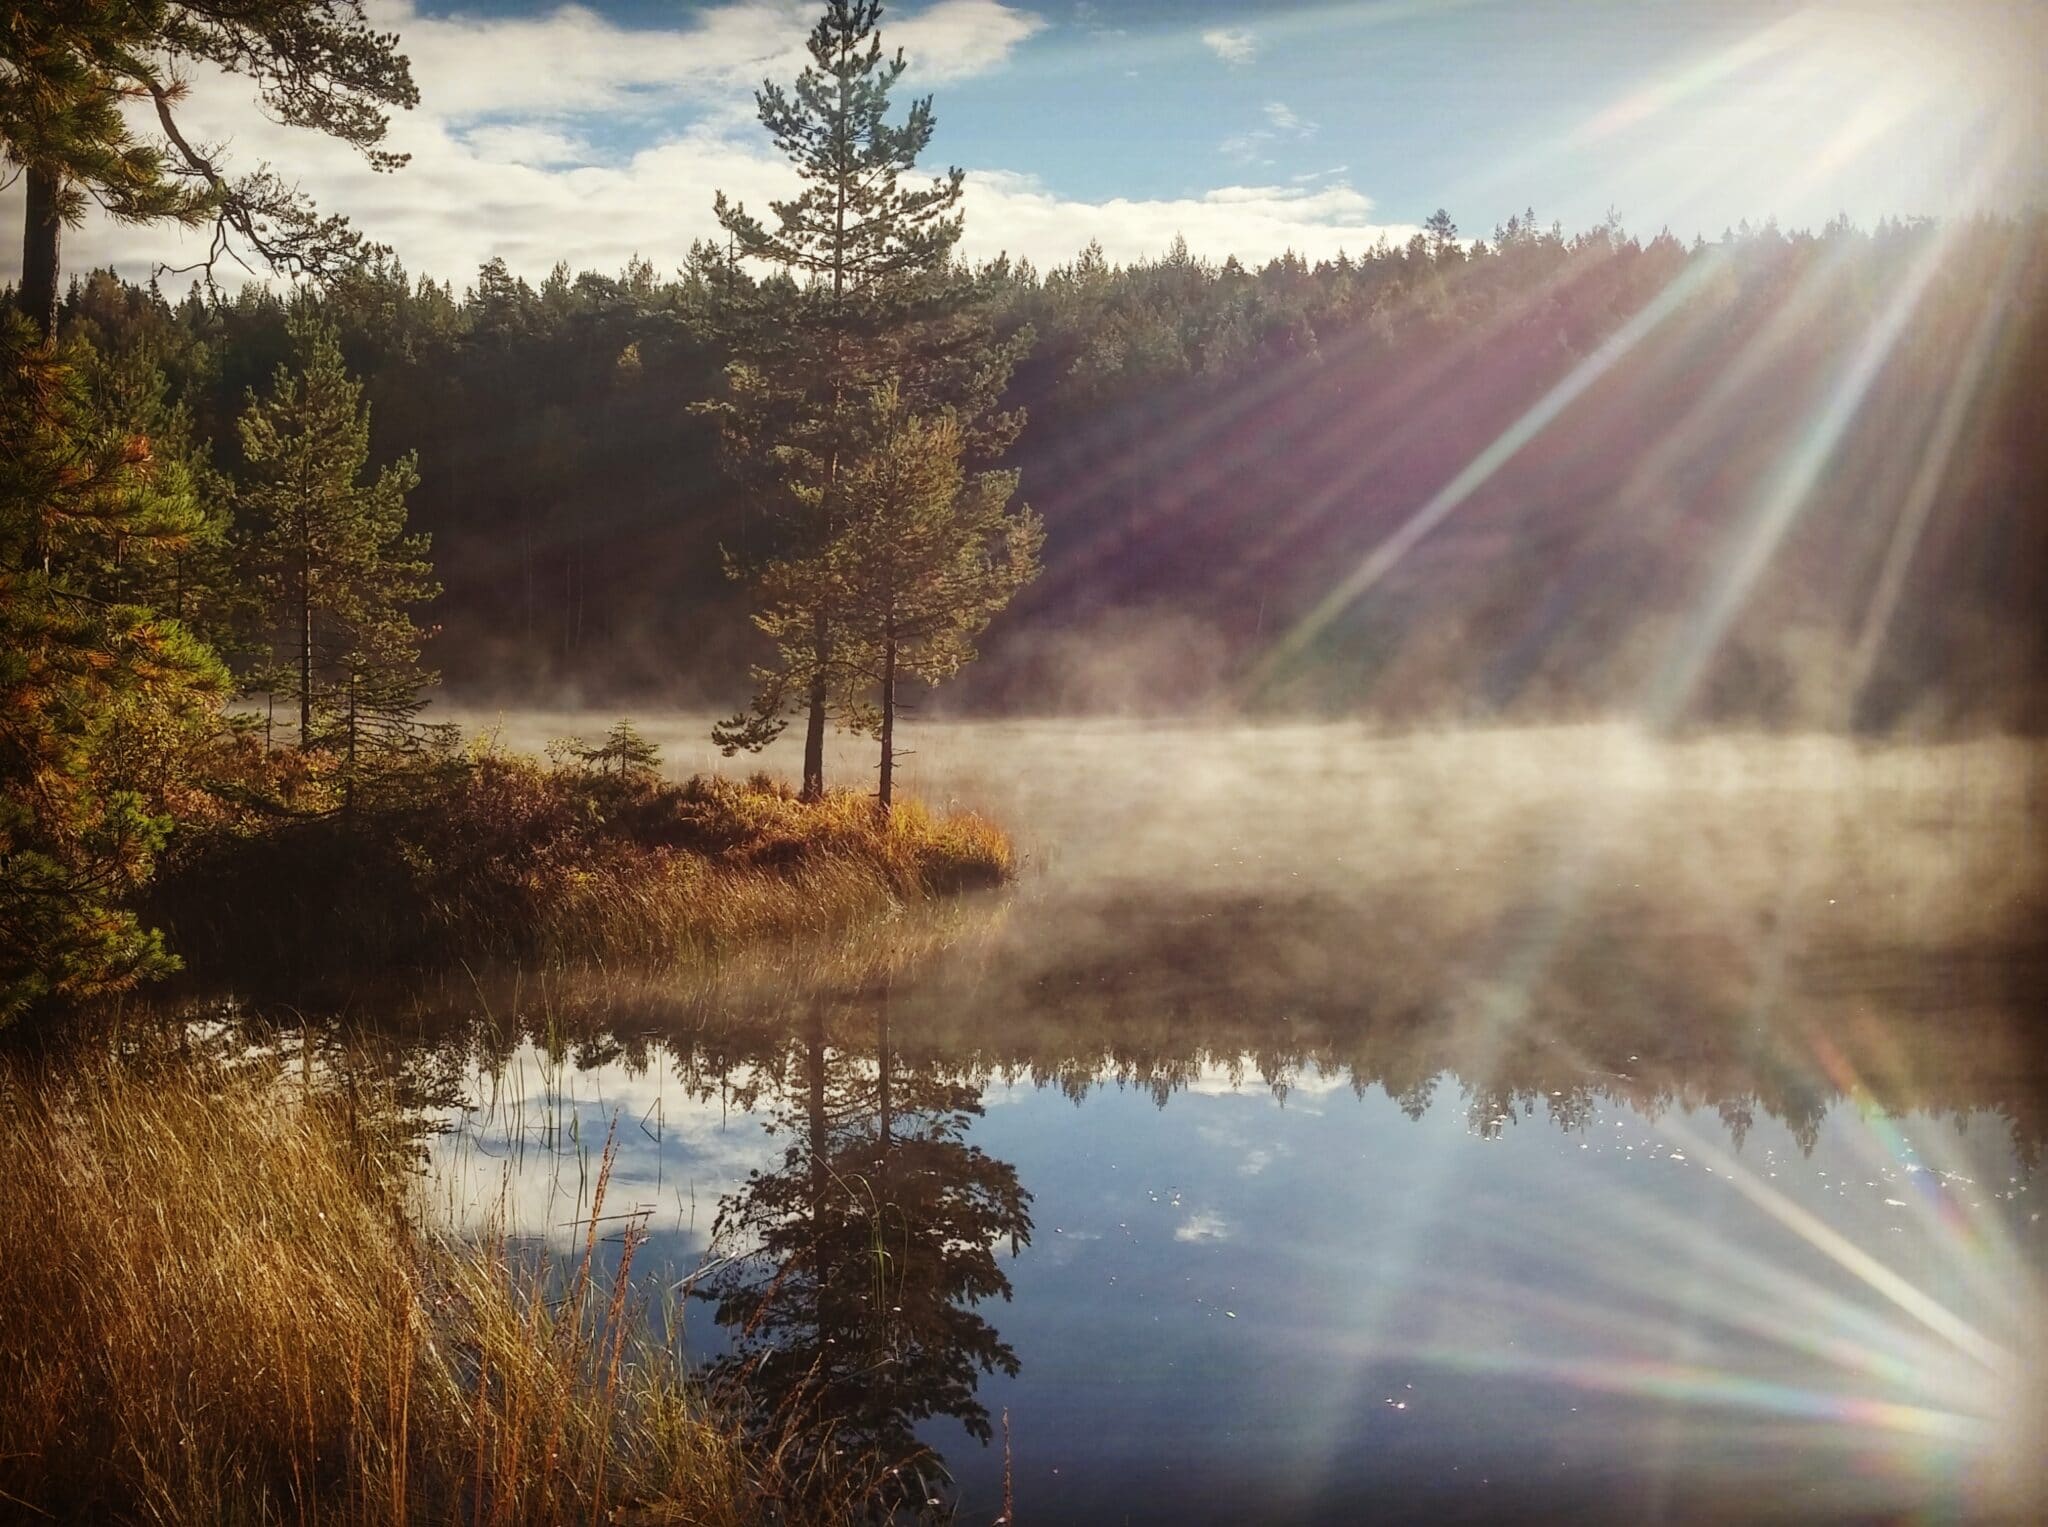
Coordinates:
<point>1384,557</point>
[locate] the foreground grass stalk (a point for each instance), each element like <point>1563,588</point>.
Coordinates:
<point>215,1308</point>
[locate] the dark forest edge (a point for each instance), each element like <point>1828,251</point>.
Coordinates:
<point>1205,440</point>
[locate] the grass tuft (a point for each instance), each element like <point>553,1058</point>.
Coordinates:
<point>220,1304</point>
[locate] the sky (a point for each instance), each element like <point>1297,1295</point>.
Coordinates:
<point>593,133</point>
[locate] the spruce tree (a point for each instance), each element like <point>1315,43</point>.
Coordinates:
<point>335,571</point>
<point>82,672</point>
<point>866,296</point>
<point>72,65</point>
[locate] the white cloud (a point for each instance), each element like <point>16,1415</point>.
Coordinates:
<point>958,38</point>
<point>1284,120</point>
<point>517,152</point>
<point>678,1154</point>
<point>524,143</point>
<point>1234,45</point>
<point>1253,222</point>
<point>573,60</point>
<point>1283,125</point>
<point>1203,1227</point>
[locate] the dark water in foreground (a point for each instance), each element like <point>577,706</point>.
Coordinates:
<point>1328,1128</point>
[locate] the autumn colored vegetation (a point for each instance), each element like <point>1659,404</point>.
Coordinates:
<point>498,854</point>
<point>237,1311</point>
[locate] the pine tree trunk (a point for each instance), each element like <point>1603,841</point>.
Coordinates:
<point>888,791</point>
<point>348,784</point>
<point>814,727</point>
<point>41,235</point>
<point>305,657</point>
<point>821,627</point>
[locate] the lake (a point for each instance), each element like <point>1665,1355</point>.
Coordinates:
<point>1334,1126</point>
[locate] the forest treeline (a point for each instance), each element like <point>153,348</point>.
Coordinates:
<point>1212,446</point>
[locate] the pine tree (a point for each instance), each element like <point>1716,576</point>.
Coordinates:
<point>861,1259</point>
<point>623,752</point>
<point>192,578</point>
<point>928,557</point>
<point>1443,237</point>
<point>72,65</point>
<point>335,571</point>
<point>82,672</point>
<point>867,296</point>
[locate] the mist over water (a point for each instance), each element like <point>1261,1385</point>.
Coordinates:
<point>1570,1119</point>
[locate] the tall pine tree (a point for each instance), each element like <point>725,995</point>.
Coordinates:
<point>867,296</point>
<point>83,670</point>
<point>336,573</point>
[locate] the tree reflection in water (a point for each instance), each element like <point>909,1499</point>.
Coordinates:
<point>854,1270</point>
<point>853,1274</point>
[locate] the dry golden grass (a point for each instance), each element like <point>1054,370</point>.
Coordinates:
<point>503,856</point>
<point>798,868</point>
<point>216,1306</point>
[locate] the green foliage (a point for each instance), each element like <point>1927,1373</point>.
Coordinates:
<point>334,571</point>
<point>72,65</point>
<point>924,558</point>
<point>99,696</point>
<point>877,304</point>
<point>930,554</point>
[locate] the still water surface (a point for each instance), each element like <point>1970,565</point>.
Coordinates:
<point>1332,1127</point>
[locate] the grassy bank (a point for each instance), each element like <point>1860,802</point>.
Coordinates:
<point>216,1306</point>
<point>502,855</point>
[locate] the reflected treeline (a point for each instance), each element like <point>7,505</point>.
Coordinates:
<point>850,1276</point>
<point>1512,1014</point>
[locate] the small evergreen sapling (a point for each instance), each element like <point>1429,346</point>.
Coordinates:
<point>624,752</point>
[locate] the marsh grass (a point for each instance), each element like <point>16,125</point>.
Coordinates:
<point>220,1302</point>
<point>504,856</point>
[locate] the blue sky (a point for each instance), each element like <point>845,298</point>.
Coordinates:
<point>595,132</point>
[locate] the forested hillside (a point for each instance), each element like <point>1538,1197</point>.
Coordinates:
<point>1783,479</point>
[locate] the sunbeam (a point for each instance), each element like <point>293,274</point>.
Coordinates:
<point>1383,558</point>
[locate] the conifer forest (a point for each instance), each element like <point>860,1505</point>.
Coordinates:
<point>803,761</point>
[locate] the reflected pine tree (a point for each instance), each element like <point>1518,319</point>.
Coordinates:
<point>854,1296</point>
